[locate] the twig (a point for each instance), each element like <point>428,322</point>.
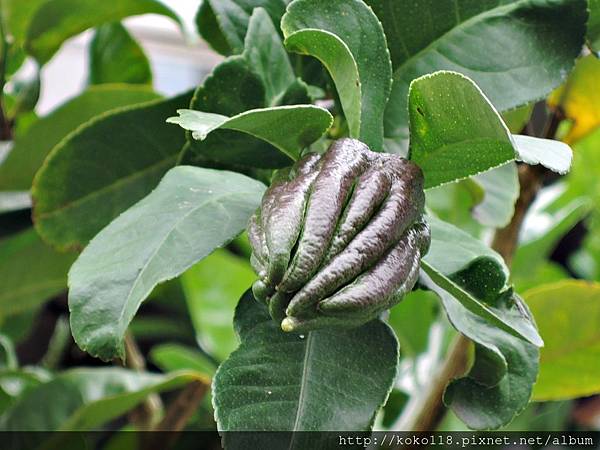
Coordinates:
<point>429,411</point>
<point>182,408</point>
<point>506,239</point>
<point>145,415</point>
<point>178,414</point>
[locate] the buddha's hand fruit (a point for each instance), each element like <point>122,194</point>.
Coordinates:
<point>339,237</point>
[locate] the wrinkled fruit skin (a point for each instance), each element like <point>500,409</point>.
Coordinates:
<point>339,237</point>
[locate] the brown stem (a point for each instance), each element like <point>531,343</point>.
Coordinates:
<point>182,408</point>
<point>431,409</point>
<point>177,416</point>
<point>147,413</point>
<point>506,239</point>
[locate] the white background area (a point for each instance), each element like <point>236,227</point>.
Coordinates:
<point>180,61</point>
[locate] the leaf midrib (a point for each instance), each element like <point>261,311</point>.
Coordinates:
<point>161,244</point>
<point>302,395</point>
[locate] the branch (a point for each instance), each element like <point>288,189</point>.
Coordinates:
<point>506,239</point>
<point>147,413</point>
<point>166,433</point>
<point>183,407</point>
<point>429,410</point>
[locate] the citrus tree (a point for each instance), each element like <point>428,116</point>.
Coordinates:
<point>350,224</point>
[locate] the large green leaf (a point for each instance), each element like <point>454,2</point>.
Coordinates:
<point>471,281</point>
<point>192,212</point>
<point>289,128</point>
<point>84,399</point>
<point>500,382</point>
<point>260,77</point>
<point>212,289</point>
<point>116,57</point>
<point>31,272</point>
<point>455,131</point>
<point>349,40</point>
<point>102,169</point>
<point>324,380</point>
<point>224,23</point>
<point>456,258</point>
<point>31,148</point>
<point>517,51</point>
<point>452,249</point>
<point>264,51</point>
<point>58,20</point>
<point>505,314</point>
<point>568,314</point>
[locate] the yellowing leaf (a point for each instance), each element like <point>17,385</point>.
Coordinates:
<point>579,98</point>
<point>567,314</point>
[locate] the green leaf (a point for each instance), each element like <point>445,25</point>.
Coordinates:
<point>8,355</point>
<point>455,131</point>
<point>14,382</point>
<point>349,40</point>
<point>479,305</point>
<point>212,289</point>
<point>411,320</point>
<point>84,399</point>
<point>503,314</point>
<point>340,63</point>
<point>31,148</point>
<point>545,225</point>
<point>501,191</point>
<point>260,77</point>
<point>174,357</point>
<point>289,128</point>
<point>554,155</point>
<point>116,57</point>
<point>324,380</point>
<point>517,51</point>
<point>17,15</point>
<point>452,250</point>
<point>31,273</point>
<point>568,313</point>
<point>192,212</point>
<point>224,23</point>
<point>516,119</point>
<point>544,273</point>
<point>499,384</point>
<point>456,258</point>
<point>264,51</point>
<point>123,155</point>
<point>58,20</point>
